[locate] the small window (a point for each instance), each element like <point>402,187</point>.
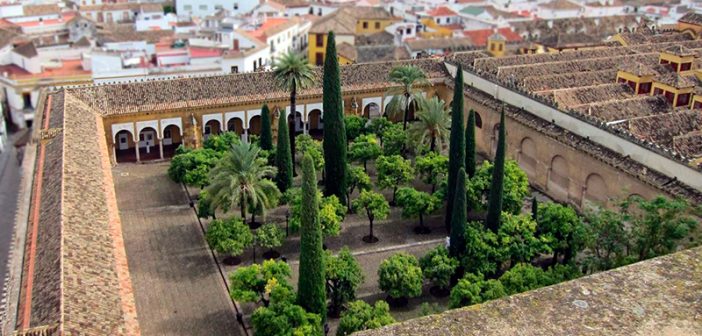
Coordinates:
<point>236,5</point>
<point>408,31</point>
<point>202,7</point>
<point>122,140</point>
<point>218,7</point>
<point>319,40</point>
<point>235,69</point>
<point>365,24</point>
<point>141,137</point>
<point>377,25</point>
<point>167,134</point>
<point>499,47</point>
<point>188,7</point>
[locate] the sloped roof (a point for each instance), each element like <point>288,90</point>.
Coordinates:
<point>26,49</point>
<point>679,50</point>
<point>692,17</point>
<point>347,51</point>
<point>441,11</point>
<point>564,40</point>
<point>561,5</point>
<point>452,43</point>
<point>36,10</point>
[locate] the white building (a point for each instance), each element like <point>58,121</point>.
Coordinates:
<point>202,8</point>
<point>155,21</point>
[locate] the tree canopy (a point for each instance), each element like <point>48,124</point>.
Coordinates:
<point>393,171</point>
<point>365,148</point>
<point>400,276</point>
<point>438,267</point>
<point>230,236</point>
<point>516,187</point>
<point>343,275</point>
<point>362,316</point>
<point>432,167</point>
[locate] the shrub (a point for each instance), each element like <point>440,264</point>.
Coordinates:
<point>438,267</point>
<point>362,316</point>
<point>400,276</point>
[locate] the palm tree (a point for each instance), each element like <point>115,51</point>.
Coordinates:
<point>292,73</point>
<point>407,77</point>
<point>242,178</point>
<point>434,123</point>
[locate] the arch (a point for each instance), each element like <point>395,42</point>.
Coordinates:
<point>527,156</point>
<point>255,125</point>
<point>141,125</point>
<point>148,144</point>
<point>495,135</point>
<point>478,120</point>
<point>315,122</point>
<point>212,127</point>
<point>558,178</point>
<point>595,189</point>
<point>371,111</point>
<point>124,146</point>
<point>172,138</point>
<point>235,125</point>
<point>297,123</point>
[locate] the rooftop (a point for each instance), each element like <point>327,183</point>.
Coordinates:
<point>661,296</point>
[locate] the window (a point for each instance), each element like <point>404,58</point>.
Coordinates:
<point>674,66</point>
<point>499,47</point>
<point>260,61</point>
<point>254,65</point>
<point>27,98</point>
<point>664,61</point>
<point>236,6</point>
<point>492,47</point>
<point>669,96</point>
<point>203,7</point>
<point>319,58</point>
<point>311,12</point>
<point>188,7</point>
<point>218,7</point>
<point>235,69</point>
<point>683,99</point>
<point>365,24</point>
<point>698,105</point>
<point>408,31</point>
<point>377,25</point>
<point>685,66</point>
<point>645,88</point>
<point>141,137</point>
<point>319,40</point>
<point>122,139</point>
<point>167,134</point>
<point>657,91</point>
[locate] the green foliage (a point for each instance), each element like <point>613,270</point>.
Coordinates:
<point>473,289</point>
<point>470,144</point>
<point>408,78</point>
<point>517,238</point>
<point>563,228</point>
<point>438,267</point>
<point>364,148</point>
<point>393,171</point>
<point>292,72</point>
<point>416,204</point>
<point>524,277</point>
<point>283,156</point>
<point>343,275</point>
<point>204,206</point>
<point>266,140</point>
<point>311,293</point>
<point>516,187</point>
<point>432,128</point>
<point>400,276</point>
<point>457,144</point>
<point>482,254</point>
<point>427,309</point>
<point>497,185</point>
<point>269,236</point>
<point>432,167</point>
<point>335,162</point>
<point>193,166</point>
<point>459,216</point>
<point>394,139</point>
<point>355,126</point>
<point>657,225</point>
<point>306,144</point>
<point>241,179</point>
<point>222,142</point>
<point>283,317</point>
<point>248,283</point>
<point>609,239</point>
<point>362,316</point>
<point>374,203</point>
<point>357,179</point>
<point>230,236</point>
<point>331,214</point>
<point>377,126</point>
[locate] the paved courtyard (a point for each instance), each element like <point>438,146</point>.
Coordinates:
<point>177,287</point>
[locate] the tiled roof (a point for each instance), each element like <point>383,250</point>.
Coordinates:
<point>676,80</point>
<point>638,69</point>
<point>572,40</point>
<point>453,43</point>
<point>692,17</point>
<point>37,10</point>
<point>480,36</point>
<point>231,89</point>
<point>75,263</point>
<point>561,5</point>
<point>347,51</point>
<point>27,50</point>
<point>441,11</point>
<point>679,50</point>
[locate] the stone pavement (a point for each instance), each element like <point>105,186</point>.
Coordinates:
<point>177,286</point>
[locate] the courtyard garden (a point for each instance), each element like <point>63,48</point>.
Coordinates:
<point>383,221</point>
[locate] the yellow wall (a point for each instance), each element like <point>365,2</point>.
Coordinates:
<point>382,24</point>
<point>438,31</point>
<point>496,48</point>
<point>313,49</point>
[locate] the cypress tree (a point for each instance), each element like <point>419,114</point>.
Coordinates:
<point>459,217</point>
<point>497,186</point>
<point>266,140</point>
<point>283,157</point>
<point>470,144</point>
<point>457,145</point>
<point>534,209</point>
<point>335,164</point>
<point>311,293</point>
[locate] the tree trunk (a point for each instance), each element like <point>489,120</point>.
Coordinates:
<point>433,143</point>
<point>394,191</point>
<point>554,261</point>
<point>291,130</point>
<point>365,166</point>
<point>243,208</point>
<point>406,116</point>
